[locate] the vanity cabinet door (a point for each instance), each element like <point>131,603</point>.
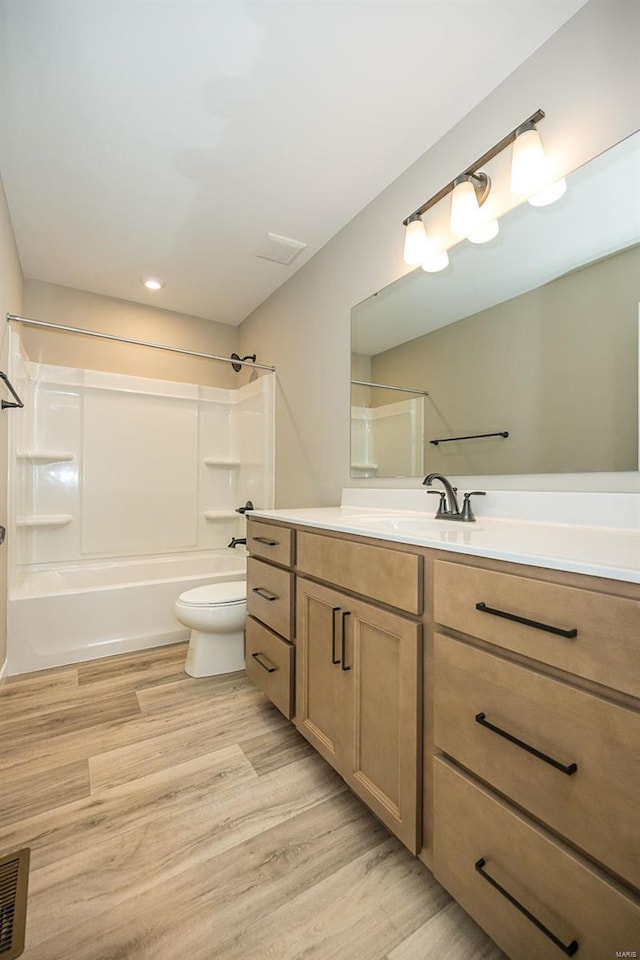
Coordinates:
<point>320,682</point>
<point>382,653</point>
<point>358,699</point>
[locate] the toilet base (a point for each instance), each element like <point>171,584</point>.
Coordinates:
<point>211,654</point>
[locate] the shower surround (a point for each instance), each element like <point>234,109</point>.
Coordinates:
<point>123,493</point>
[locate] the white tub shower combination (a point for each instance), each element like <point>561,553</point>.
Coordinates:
<point>123,494</point>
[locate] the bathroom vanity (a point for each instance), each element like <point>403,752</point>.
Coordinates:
<point>487,710</point>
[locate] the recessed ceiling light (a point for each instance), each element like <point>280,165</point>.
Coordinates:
<point>152,284</point>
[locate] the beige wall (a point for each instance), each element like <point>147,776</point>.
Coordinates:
<point>585,78</point>
<point>76,308</point>
<point>10,302</point>
<point>557,367</point>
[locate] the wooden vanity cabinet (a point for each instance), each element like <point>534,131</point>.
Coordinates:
<point>269,651</point>
<point>357,664</point>
<point>487,712</point>
<point>535,776</point>
<point>358,699</point>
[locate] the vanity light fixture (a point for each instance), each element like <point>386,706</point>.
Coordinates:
<point>484,232</point>
<point>549,194</point>
<point>415,241</point>
<point>531,176</point>
<point>435,261</point>
<point>421,249</point>
<point>469,193</point>
<point>530,169</point>
<point>152,284</point>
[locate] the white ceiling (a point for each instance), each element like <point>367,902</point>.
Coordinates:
<point>166,137</point>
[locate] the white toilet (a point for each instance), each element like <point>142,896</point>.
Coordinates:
<point>217,615</point>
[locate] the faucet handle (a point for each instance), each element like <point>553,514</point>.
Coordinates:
<point>467,512</point>
<point>442,506</point>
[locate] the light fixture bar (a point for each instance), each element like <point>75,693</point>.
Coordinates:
<point>480,162</point>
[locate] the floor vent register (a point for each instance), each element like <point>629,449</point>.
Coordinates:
<point>14,878</point>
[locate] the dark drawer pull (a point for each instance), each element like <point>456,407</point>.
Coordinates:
<point>482,720</point>
<point>266,541</point>
<point>483,608</point>
<point>569,949</point>
<point>333,635</point>
<point>265,593</point>
<point>267,665</point>
<point>345,614</point>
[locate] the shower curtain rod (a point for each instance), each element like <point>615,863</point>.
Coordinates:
<point>387,386</point>
<point>138,343</point>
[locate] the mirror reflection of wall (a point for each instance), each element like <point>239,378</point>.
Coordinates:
<point>535,334</point>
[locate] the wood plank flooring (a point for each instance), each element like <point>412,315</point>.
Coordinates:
<point>179,819</point>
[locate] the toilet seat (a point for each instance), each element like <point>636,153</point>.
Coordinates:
<point>216,595</point>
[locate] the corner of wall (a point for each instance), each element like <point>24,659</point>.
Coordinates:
<point>11,288</point>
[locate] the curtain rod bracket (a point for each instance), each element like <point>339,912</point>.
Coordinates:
<point>9,404</point>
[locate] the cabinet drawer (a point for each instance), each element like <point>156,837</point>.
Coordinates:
<point>389,576</point>
<point>270,541</point>
<point>596,806</point>
<point>270,596</point>
<point>570,899</point>
<point>270,665</point>
<point>605,648</point>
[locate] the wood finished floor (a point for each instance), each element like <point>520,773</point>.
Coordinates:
<point>179,819</point>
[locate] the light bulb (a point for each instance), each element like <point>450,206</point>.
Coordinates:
<point>529,165</point>
<point>465,211</point>
<point>152,284</point>
<point>436,261</point>
<point>415,242</point>
<point>549,194</point>
<point>484,232</point>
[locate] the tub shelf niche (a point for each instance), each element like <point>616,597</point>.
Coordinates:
<point>46,456</point>
<point>221,515</point>
<point>226,462</point>
<point>51,520</point>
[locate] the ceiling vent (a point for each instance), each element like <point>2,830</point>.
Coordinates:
<point>279,249</point>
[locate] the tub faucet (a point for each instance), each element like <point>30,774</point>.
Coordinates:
<point>236,540</point>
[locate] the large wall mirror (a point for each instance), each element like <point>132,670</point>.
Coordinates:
<point>522,356</point>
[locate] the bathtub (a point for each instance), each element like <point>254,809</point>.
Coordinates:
<point>78,612</point>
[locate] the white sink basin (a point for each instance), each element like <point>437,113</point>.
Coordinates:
<point>418,525</point>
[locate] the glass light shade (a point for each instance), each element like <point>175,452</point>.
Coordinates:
<point>465,211</point>
<point>415,243</point>
<point>485,232</point>
<point>436,261</point>
<point>549,194</point>
<point>529,164</point>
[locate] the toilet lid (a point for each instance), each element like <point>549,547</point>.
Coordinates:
<point>216,593</point>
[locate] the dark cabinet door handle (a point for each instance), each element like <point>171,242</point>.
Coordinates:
<point>264,593</point>
<point>568,949</point>
<point>333,635</point>
<point>559,632</point>
<point>345,614</point>
<point>481,718</point>
<point>266,665</point>
<point>266,541</point>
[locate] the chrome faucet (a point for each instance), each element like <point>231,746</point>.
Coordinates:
<point>448,508</point>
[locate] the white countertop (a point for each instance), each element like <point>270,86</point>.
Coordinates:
<point>593,550</point>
